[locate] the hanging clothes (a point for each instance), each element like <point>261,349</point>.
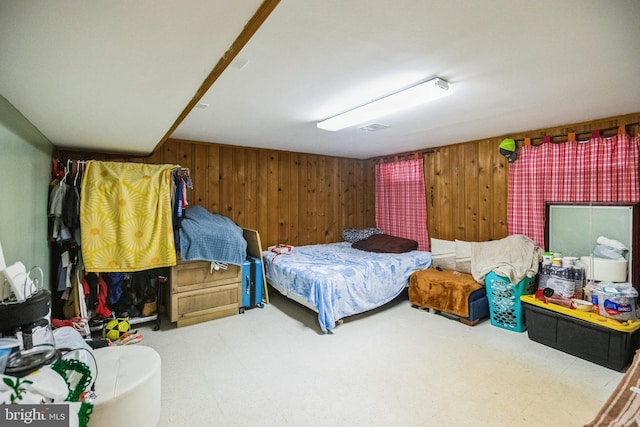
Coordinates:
<point>125,217</point>
<point>95,293</point>
<point>114,286</point>
<point>71,307</point>
<point>57,194</point>
<point>91,289</point>
<point>101,307</point>
<point>182,181</point>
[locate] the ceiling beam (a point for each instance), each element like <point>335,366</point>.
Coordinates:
<point>243,38</point>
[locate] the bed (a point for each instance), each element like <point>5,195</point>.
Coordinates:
<point>337,281</point>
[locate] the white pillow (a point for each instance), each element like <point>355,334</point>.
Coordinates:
<point>442,248</point>
<point>443,254</point>
<point>463,256</point>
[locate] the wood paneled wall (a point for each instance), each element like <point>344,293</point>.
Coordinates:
<point>288,197</point>
<point>466,188</point>
<point>304,198</point>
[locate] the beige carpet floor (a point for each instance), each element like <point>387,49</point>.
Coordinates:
<point>396,366</point>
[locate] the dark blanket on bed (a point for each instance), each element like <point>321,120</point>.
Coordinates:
<point>444,290</point>
<point>385,243</point>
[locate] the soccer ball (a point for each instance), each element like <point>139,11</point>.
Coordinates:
<point>115,328</point>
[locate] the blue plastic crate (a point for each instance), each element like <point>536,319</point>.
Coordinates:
<point>505,308</point>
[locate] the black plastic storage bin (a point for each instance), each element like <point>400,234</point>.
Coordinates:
<point>605,346</point>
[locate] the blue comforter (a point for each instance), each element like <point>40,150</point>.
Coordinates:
<point>340,281</point>
<point>211,237</point>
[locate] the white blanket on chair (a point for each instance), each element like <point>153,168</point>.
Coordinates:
<point>514,257</point>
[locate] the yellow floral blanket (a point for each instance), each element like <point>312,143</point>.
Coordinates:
<point>126,217</point>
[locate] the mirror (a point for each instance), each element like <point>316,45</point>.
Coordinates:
<point>573,229</point>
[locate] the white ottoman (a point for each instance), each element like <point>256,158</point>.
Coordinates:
<point>127,387</point>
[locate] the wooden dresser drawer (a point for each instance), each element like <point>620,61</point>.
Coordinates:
<point>199,294</point>
<point>205,304</point>
<point>192,275</point>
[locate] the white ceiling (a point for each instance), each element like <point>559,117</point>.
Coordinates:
<point>116,75</point>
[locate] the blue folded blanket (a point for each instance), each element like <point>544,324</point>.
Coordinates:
<point>211,237</point>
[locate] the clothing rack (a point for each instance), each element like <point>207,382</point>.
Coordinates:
<point>68,173</point>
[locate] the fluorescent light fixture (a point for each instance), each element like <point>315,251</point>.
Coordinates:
<point>410,97</point>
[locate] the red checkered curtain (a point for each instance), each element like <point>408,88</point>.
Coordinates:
<point>401,209</point>
<point>600,170</point>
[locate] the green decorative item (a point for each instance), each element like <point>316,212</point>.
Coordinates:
<point>77,393</point>
<point>16,387</point>
<point>84,414</point>
<point>64,366</point>
<point>508,149</point>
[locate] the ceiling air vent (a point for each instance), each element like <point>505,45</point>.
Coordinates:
<point>373,127</point>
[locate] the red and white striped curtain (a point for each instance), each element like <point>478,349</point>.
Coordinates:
<point>600,170</point>
<point>401,208</point>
